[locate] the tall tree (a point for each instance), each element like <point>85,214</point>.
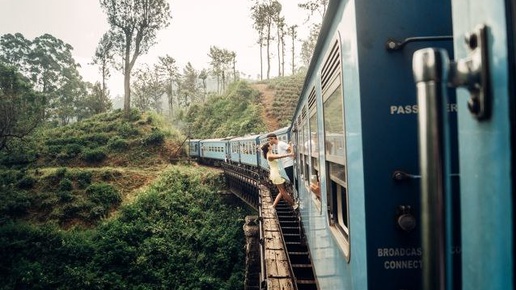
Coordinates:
<point>280,30</point>
<point>168,70</point>
<point>49,65</point>
<point>190,88</point>
<point>260,20</point>
<point>94,102</point>
<point>292,31</point>
<point>269,12</point>
<point>203,75</point>
<point>223,64</point>
<point>68,98</point>
<point>228,66</point>
<point>148,90</point>
<point>21,109</point>
<point>265,16</point>
<point>314,6</point>
<point>308,46</point>
<point>15,51</point>
<point>216,64</point>
<point>134,25</point>
<point>232,59</point>
<point>104,58</point>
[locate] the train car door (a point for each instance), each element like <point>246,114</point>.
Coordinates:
<point>486,142</point>
<point>483,73</point>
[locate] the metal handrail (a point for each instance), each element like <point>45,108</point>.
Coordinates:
<point>430,73</point>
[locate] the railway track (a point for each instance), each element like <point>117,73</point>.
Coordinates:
<point>246,184</point>
<point>297,250</point>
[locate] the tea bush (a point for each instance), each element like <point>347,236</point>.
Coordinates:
<point>103,194</point>
<point>118,144</point>
<point>26,182</point>
<point>94,155</point>
<point>155,138</point>
<point>83,179</point>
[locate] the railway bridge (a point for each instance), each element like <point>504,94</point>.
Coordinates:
<point>277,255</point>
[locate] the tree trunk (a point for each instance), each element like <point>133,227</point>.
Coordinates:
<point>261,60</point>
<point>127,91</point>
<point>170,96</point>
<point>293,57</point>
<point>127,80</point>
<point>279,54</point>
<point>268,51</point>
<point>282,56</point>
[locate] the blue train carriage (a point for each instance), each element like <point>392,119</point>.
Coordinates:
<point>194,148</point>
<point>214,151</point>
<point>482,72</point>
<point>244,150</point>
<point>355,130</point>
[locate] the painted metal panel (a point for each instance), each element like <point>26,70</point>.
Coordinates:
<point>486,161</point>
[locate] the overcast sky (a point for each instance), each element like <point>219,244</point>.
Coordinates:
<point>195,26</point>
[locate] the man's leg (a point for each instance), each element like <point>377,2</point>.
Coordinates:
<point>293,183</point>
<point>290,173</point>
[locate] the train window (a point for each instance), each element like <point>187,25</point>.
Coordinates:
<point>249,147</point>
<point>305,156</point>
<point>303,137</point>
<point>313,148</point>
<point>334,147</point>
<point>338,217</point>
<point>334,126</point>
<point>304,130</point>
<point>298,148</point>
<point>312,143</point>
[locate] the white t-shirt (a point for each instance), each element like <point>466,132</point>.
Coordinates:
<point>282,148</point>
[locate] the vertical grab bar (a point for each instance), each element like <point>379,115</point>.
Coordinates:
<point>430,69</point>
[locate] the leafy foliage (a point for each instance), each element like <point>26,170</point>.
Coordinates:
<point>48,64</point>
<point>235,114</point>
<point>21,109</point>
<point>242,111</point>
<point>103,138</point>
<point>127,42</point>
<point>94,155</point>
<point>63,196</point>
<point>179,234</point>
<point>155,138</point>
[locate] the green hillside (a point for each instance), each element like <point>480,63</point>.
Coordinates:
<point>246,108</point>
<point>80,173</point>
<point>286,95</point>
<point>177,234</point>
<point>98,205</point>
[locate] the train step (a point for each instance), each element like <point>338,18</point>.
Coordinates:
<point>306,284</point>
<point>297,251</point>
<point>299,257</point>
